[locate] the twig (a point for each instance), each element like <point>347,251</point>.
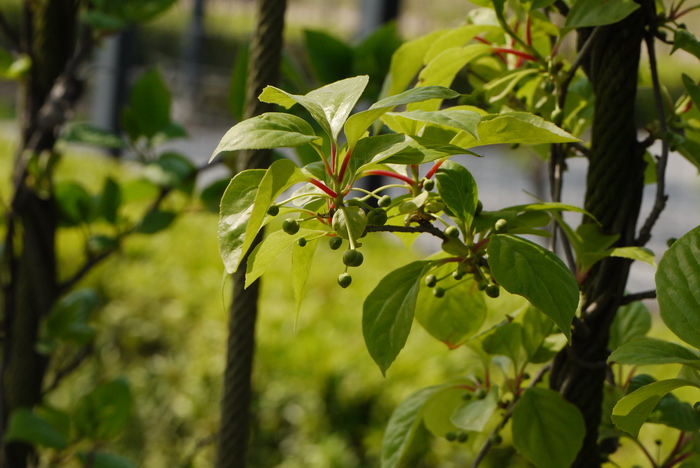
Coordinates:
<point>661,197</point>
<point>630,298</point>
<point>69,368</point>
<point>487,445</point>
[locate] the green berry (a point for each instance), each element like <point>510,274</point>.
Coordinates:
<point>384,201</point>
<point>467,396</point>
<point>273,210</point>
<point>439,292</point>
<point>451,232</point>
<point>430,281</point>
<point>501,226</point>
<point>696,407</point>
<point>462,437</point>
<point>670,241</point>
<point>457,275</point>
<point>301,242</point>
<point>429,184</point>
<point>344,280</point>
<point>497,439</point>
<point>335,243</point>
<point>353,258</point>
<point>377,217</point>
<point>482,285</point>
<point>493,290</point>
<point>479,208</point>
<point>451,436</point>
<point>290,226</point>
<point>481,394</point>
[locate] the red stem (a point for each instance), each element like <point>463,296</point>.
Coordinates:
<point>528,31</point>
<point>519,53</point>
<point>346,161</point>
<point>434,169</point>
<point>323,187</point>
<point>395,175</point>
<point>487,42</point>
<point>334,157</point>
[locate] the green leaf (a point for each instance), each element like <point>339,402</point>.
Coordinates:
<point>526,269</point>
<point>74,203</point>
<point>650,351</point>
<point>692,88</point>
<point>458,190</point>
<point>635,253</point>
<point>375,149</point>
<point>155,221</point>
<point>678,287</point>
<point>631,321</point>
<point>69,318</point>
<point>104,460</point>
<point>463,120</point>
<point>547,429</point>
<point>239,82</point>
<point>686,40</point>
<point>438,409</point>
<point>11,67</point>
<point>401,429</point>
<point>235,212</point>
<point>265,253</point>
<point>350,220</point>
<point>506,341</point>
<point>670,410</point>
<point>587,13</point>
<point>387,313</point>
<point>301,265</point>
<point>475,415</point>
<point>177,171</point>
<point>27,426</point>
<point>150,103</point>
<point>513,127</point>
<point>632,410</point>
<point>536,327</point>
<point>212,194</point>
<point>329,105</point>
<point>104,413</point>
<point>110,201</point>
<point>88,134</point>
<point>358,123</point>
<point>455,317</point>
<point>270,130</point>
<point>244,207</point>
<point>330,58</point>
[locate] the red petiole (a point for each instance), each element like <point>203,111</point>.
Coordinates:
<point>518,53</point>
<point>487,42</point>
<point>346,161</point>
<point>395,175</point>
<point>434,169</point>
<point>323,187</point>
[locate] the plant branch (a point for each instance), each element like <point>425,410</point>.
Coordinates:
<point>630,298</point>
<point>61,374</point>
<point>661,197</point>
<point>487,445</point>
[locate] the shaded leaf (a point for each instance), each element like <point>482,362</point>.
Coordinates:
<point>650,351</point>
<point>104,413</point>
<point>458,190</point>
<point>587,13</point>
<point>27,426</point>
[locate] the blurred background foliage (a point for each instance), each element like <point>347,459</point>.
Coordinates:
<point>319,399</point>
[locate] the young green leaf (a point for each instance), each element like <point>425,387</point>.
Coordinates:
<point>403,424</point>
<point>526,269</point>
<point>458,191</point>
<point>301,265</point>
<point>463,120</point>
<point>587,13</point>
<point>632,410</point>
<point>678,287</point>
<point>155,221</point>
<point>439,407</point>
<point>670,411</point>
<point>103,413</point>
<point>330,58</point>
<point>547,429</point>
<point>270,130</point>
<point>650,351</point>
<point>506,341</point>
<point>635,253</point>
<point>329,105</point>
<point>685,40</point>
<point>104,460</point>
<point>265,253</point>
<point>387,313</point>
<point>149,103</point>
<point>475,415</point>
<point>236,208</point>
<point>631,322</point>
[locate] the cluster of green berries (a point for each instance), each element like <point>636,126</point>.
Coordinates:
<point>457,436</point>
<point>491,289</point>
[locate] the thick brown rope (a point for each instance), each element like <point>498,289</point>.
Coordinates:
<point>234,431</point>
<point>613,196</point>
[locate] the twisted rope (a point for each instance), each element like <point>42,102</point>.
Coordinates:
<point>234,431</point>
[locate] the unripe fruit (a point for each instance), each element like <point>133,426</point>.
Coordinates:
<point>482,285</point>
<point>335,243</point>
<point>344,280</point>
<point>497,439</point>
<point>429,184</point>
<point>451,232</point>
<point>430,281</point>
<point>290,226</point>
<point>384,201</point>
<point>467,396</point>
<point>451,436</point>
<point>301,242</point>
<point>353,258</point>
<point>439,292</point>
<point>479,208</point>
<point>462,437</point>
<point>492,290</point>
<point>377,217</point>
<point>501,226</point>
<point>481,394</point>
<point>273,210</point>
<point>670,241</point>
<point>457,275</point>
